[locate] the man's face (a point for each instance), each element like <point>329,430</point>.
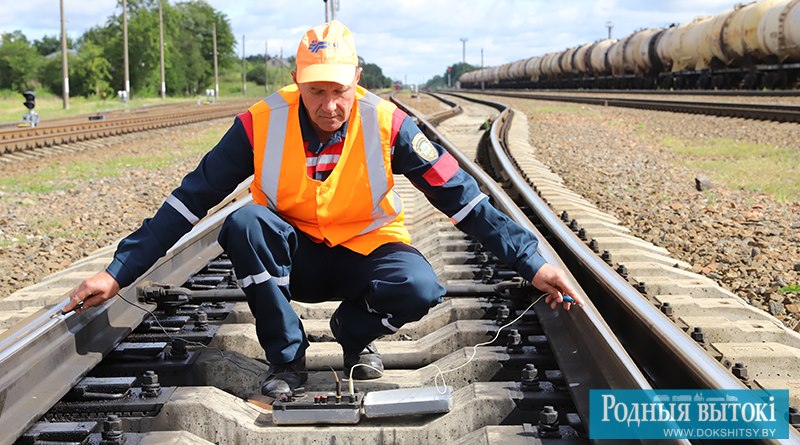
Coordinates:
<point>328,103</point>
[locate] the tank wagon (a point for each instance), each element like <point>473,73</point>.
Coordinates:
<point>752,46</point>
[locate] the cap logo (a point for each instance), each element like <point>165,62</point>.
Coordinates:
<point>317,45</point>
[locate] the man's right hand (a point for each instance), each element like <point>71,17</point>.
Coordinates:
<point>92,291</point>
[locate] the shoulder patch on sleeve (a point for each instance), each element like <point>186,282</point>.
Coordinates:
<point>247,123</point>
<point>423,147</point>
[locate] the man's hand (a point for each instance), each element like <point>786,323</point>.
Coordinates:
<point>92,291</point>
<point>552,280</point>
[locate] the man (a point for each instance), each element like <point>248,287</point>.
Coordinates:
<point>326,222</point>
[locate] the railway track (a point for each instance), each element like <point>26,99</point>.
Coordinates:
<point>25,143</point>
<point>757,111</point>
<point>551,360</point>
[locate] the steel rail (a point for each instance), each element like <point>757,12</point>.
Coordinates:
<point>770,112</point>
<point>43,357</point>
<point>645,331</point>
<point>588,352</point>
<point>23,139</point>
<point>722,93</point>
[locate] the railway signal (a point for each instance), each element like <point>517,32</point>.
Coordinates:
<point>29,119</point>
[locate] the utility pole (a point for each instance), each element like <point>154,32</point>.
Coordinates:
<point>216,71</point>
<point>326,10</point>
<point>463,49</point>
<point>125,49</point>
<point>244,70</point>
<point>334,5</point>
<point>161,37</point>
<point>482,69</point>
<point>281,61</point>
<point>64,60</point>
<point>266,66</point>
<point>610,26</point>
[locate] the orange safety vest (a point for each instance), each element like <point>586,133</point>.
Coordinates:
<point>356,206</point>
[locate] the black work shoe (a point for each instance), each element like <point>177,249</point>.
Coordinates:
<point>368,356</point>
<point>282,380</point>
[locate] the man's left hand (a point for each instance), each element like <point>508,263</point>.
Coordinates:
<point>552,280</point>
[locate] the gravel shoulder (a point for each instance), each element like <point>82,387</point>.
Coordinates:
<point>69,213</point>
<point>617,158</point>
<point>621,160</point>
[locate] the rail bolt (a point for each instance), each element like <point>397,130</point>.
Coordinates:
<point>178,349</point>
<point>666,309</point>
<point>112,431</point>
<point>565,216</point>
<point>201,321</point>
<point>794,417</point>
<point>594,246</point>
<point>503,312</point>
<point>548,416</point>
<point>739,371</point>
<point>582,234</point>
<point>548,423</point>
<point>514,342</point>
<point>698,335</point>
<point>622,271</point>
<point>606,256</point>
<point>641,287</point>
<point>530,377</point>
<point>573,225</point>
<point>150,385</point>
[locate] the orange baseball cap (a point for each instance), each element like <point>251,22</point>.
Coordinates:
<point>327,53</point>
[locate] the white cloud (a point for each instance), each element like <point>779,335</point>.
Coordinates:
<point>414,38</point>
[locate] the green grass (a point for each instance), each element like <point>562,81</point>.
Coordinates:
<point>791,289</point>
<point>754,167</point>
<point>64,176</point>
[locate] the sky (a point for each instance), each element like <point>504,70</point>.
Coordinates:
<point>412,40</point>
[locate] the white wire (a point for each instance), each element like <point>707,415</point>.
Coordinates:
<point>439,372</point>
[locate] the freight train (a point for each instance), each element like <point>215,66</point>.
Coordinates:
<point>751,46</point>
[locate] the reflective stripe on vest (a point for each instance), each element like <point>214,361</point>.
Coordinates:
<point>276,134</point>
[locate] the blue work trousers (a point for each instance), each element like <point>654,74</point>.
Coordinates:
<point>275,263</point>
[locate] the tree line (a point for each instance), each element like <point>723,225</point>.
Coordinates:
<point>96,57</point>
